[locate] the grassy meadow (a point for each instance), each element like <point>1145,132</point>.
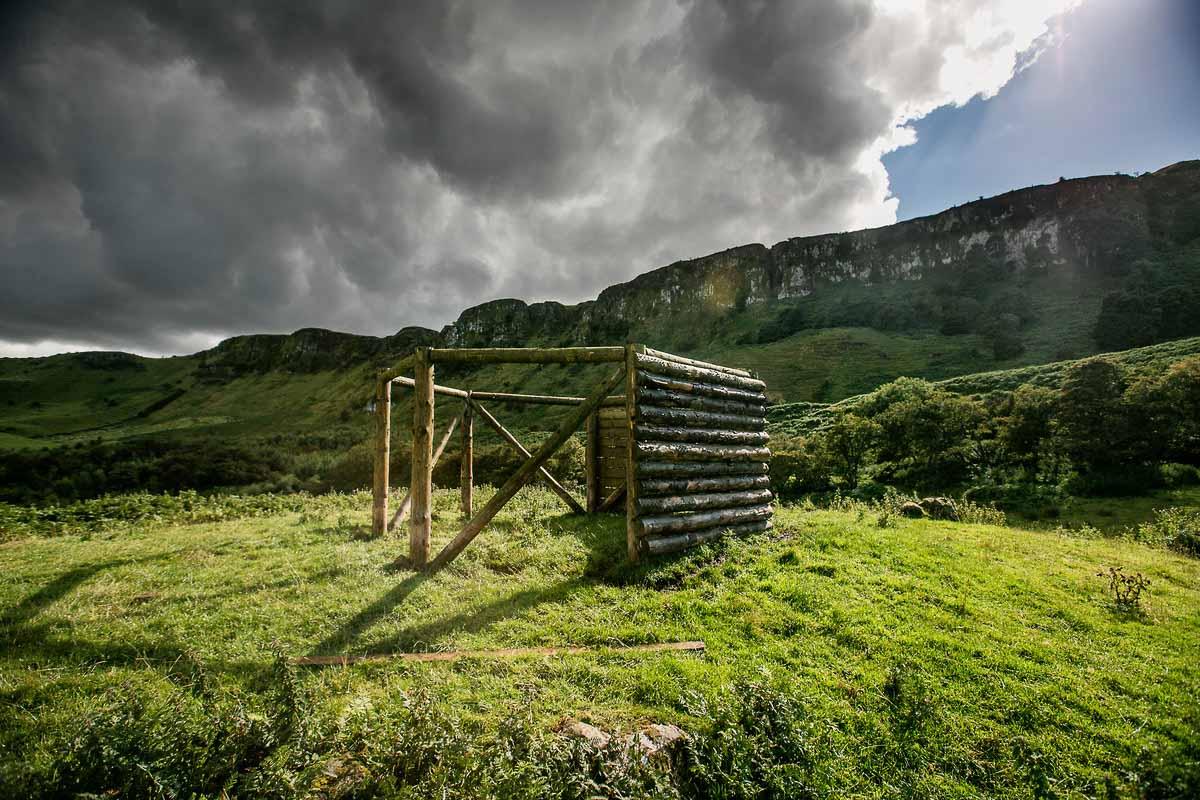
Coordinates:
<point>850,653</point>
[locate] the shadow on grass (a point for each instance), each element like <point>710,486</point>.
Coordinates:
<point>606,563</point>
<point>53,642</point>
<point>424,636</point>
<point>352,629</point>
<point>32,604</point>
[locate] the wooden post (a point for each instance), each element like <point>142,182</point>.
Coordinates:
<point>421,519</point>
<point>466,472</point>
<point>437,456</point>
<point>383,436</point>
<point>631,478</point>
<point>524,473</point>
<point>591,467</point>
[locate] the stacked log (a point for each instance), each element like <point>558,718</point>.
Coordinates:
<point>700,453</point>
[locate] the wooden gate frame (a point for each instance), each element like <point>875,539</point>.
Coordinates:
<point>691,427</point>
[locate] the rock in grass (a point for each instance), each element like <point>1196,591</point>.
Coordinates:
<point>581,730</point>
<point>654,741</point>
<point>660,739</point>
<point>912,510</point>
<point>940,508</point>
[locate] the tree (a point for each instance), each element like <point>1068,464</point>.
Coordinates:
<point>925,429</point>
<point>849,441</point>
<point>1093,422</point>
<point>1027,424</point>
<point>1167,412</point>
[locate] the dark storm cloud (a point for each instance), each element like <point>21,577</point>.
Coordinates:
<point>171,173</point>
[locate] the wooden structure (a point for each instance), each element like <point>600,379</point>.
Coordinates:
<point>682,443</point>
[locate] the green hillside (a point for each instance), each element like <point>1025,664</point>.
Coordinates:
<point>849,654</point>
<point>794,419</point>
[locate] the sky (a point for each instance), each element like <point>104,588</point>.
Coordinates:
<point>171,176</point>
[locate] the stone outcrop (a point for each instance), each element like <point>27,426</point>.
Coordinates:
<point>1085,226</point>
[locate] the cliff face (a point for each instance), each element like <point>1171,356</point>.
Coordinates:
<point>306,350</point>
<point>1088,226</point>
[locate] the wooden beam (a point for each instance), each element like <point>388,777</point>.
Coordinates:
<point>670,433</point>
<point>512,652</point>
<point>683,523</point>
<point>525,473</point>
<point>699,469</point>
<point>699,402</point>
<point>542,399</point>
<point>400,366</point>
<point>421,524</point>
<point>632,550</point>
<point>437,456</point>
<point>383,440</point>
<point>527,355</point>
<point>671,544</point>
<point>448,391</point>
<point>685,451</point>
<point>612,499</point>
<point>687,386</point>
<point>658,415</point>
<point>688,372</point>
<point>718,483</point>
<point>542,472</point>
<point>466,469</point>
<point>703,502</point>
<point>696,363</point>
<point>509,397</point>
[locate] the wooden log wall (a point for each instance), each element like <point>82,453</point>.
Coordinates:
<point>698,449</point>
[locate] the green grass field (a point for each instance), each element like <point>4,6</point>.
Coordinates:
<point>923,659</point>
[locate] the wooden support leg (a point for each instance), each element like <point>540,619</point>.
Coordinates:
<point>525,473</point>
<point>421,522</point>
<point>437,456</point>
<point>467,468</point>
<point>591,475</point>
<point>466,472</point>
<point>631,486</point>
<point>383,435</point>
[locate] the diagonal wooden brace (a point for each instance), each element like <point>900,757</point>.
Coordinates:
<point>525,473</point>
<point>612,499</point>
<point>542,472</point>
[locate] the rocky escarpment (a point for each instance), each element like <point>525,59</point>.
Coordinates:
<point>306,350</point>
<point>1092,225</point>
<point>1087,226</point>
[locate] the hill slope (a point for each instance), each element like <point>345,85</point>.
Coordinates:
<point>795,419</point>
<point>844,659</point>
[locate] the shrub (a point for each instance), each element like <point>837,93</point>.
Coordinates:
<point>1176,528</point>
<point>1125,589</point>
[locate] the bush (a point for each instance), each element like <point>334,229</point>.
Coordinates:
<point>1176,528</point>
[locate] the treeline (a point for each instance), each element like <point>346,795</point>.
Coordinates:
<point>340,459</point>
<point>280,463</point>
<point>1102,432</point>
